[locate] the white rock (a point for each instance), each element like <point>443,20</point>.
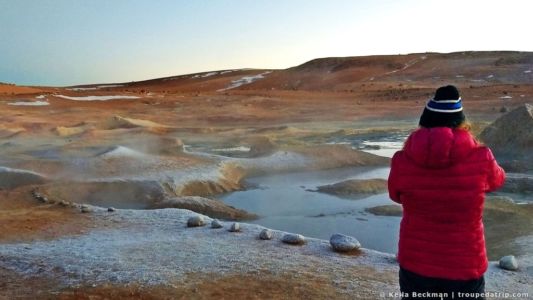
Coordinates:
<point>509,262</point>
<point>293,239</point>
<point>344,243</point>
<point>265,234</point>
<point>235,227</point>
<point>216,224</point>
<point>86,209</point>
<point>196,221</point>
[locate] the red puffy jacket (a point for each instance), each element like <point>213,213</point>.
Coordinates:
<point>440,178</point>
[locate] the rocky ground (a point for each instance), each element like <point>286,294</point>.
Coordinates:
<point>153,253</point>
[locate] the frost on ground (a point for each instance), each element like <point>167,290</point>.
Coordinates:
<point>94,87</point>
<point>244,80</point>
<point>156,247</point>
<point>29,103</point>
<point>205,75</point>
<point>96,98</point>
<point>233,149</point>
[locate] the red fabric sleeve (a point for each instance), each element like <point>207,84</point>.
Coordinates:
<point>496,176</point>
<point>394,193</point>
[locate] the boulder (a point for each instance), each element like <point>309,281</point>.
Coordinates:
<point>216,224</point>
<point>509,263</point>
<point>86,208</point>
<point>266,234</point>
<point>235,227</point>
<point>293,239</point>
<point>344,243</point>
<point>511,136</point>
<point>196,221</point>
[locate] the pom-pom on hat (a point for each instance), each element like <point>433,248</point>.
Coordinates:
<point>444,110</point>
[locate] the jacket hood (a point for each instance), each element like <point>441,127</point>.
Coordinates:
<point>439,147</point>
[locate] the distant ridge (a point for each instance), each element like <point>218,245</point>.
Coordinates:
<point>468,68</point>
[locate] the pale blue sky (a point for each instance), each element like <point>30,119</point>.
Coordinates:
<point>64,42</point>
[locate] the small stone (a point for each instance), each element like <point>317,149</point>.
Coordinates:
<point>216,224</point>
<point>196,221</point>
<point>111,209</point>
<point>509,262</point>
<point>344,243</point>
<point>41,198</point>
<point>63,203</point>
<point>235,227</point>
<point>86,209</point>
<point>265,234</point>
<point>293,239</point>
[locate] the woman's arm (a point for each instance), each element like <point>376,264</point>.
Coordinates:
<point>496,176</point>
<point>392,182</point>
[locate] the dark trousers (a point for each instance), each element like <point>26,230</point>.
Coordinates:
<point>437,288</point>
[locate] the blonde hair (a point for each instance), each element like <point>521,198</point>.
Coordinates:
<point>465,125</point>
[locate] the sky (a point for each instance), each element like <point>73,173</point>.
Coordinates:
<point>67,42</point>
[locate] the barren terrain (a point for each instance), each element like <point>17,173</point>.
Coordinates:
<point>156,150</point>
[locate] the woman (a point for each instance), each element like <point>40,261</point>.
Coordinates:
<point>440,178</point>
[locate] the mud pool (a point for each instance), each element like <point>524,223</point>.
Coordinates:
<point>286,202</point>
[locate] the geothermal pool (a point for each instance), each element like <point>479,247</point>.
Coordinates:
<point>286,202</point>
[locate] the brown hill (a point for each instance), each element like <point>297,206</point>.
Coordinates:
<point>471,68</point>
<point>12,89</point>
<point>346,73</point>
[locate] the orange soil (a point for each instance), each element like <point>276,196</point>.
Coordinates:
<point>23,219</point>
<point>256,108</point>
<point>261,285</point>
<point>11,89</point>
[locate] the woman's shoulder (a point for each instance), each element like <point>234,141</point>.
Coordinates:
<point>482,152</point>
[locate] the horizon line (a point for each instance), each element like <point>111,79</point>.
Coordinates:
<point>269,69</point>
